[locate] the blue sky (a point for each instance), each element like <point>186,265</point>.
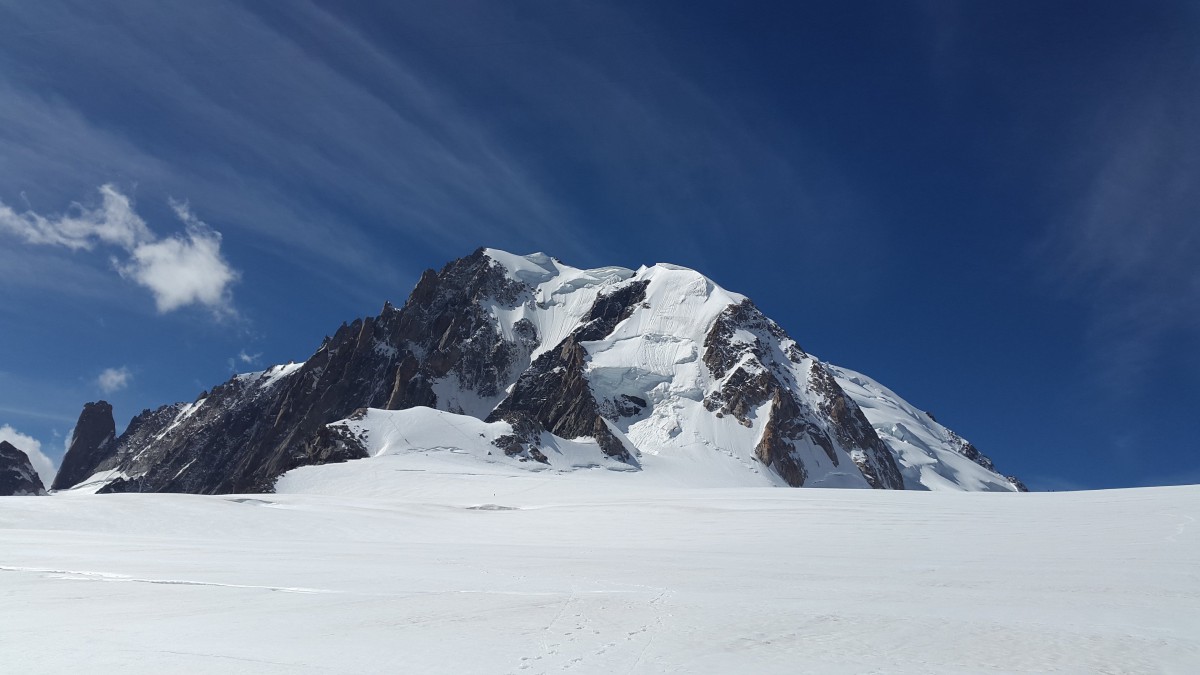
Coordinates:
<point>991,208</point>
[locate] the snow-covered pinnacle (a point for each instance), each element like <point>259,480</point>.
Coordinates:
<point>656,369</point>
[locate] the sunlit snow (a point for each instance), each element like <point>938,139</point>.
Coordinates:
<point>438,563</point>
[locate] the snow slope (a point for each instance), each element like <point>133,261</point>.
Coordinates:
<point>422,439</point>
<point>423,431</point>
<point>930,455</point>
<point>443,564</point>
<point>562,295</point>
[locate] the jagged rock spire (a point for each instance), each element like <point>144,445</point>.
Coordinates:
<point>92,443</point>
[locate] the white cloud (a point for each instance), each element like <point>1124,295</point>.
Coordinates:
<point>179,270</point>
<point>114,379</point>
<point>33,448</point>
<point>183,269</point>
<point>113,222</point>
<point>242,360</point>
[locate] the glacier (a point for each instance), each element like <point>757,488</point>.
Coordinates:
<point>433,562</point>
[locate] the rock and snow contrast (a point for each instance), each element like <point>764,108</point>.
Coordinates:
<point>531,468</point>
<point>17,475</point>
<point>552,368</point>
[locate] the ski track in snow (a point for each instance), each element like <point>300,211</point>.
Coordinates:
<point>437,569</point>
<point>76,575</point>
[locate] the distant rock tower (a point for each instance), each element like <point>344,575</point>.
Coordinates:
<point>17,475</point>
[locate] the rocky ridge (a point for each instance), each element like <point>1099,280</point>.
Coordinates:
<point>657,360</point>
<point>17,475</point>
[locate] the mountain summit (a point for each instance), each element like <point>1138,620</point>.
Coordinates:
<point>527,361</point>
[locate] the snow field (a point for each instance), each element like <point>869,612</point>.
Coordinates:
<point>441,564</point>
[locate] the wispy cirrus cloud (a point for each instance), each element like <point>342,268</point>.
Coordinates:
<point>309,135</point>
<point>179,270</point>
<point>1116,152</point>
<point>291,130</point>
<point>1129,246</point>
<point>112,222</point>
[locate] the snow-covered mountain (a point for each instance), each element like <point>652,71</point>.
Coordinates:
<point>526,361</point>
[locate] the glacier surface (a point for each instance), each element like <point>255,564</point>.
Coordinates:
<point>429,560</point>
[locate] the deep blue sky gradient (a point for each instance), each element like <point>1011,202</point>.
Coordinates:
<point>991,208</point>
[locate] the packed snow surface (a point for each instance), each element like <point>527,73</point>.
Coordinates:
<point>435,562</point>
<point>425,431</point>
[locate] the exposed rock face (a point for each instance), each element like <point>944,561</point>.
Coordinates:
<point>854,432</point>
<point>249,430</point>
<point>554,392</point>
<point>17,475</point>
<point>444,331</point>
<point>753,357</point>
<point>784,427</point>
<point>609,355</point>
<point>93,444</point>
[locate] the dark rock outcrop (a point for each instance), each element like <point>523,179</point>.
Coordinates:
<point>93,444</point>
<point>17,475</point>
<point>754,373</point>
<point>554,394</point>
<point>249,430</point>
<point>784,428</point>
<point>853,431</point>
